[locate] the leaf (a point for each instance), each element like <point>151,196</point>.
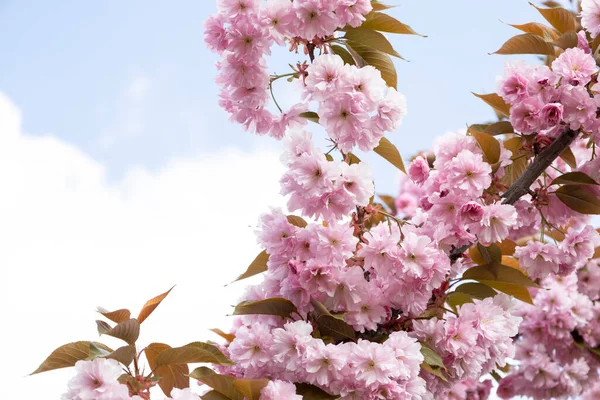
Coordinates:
<point>195,352</point>
<point>434,370</point>
<point>297,221</point>
<point>574,178</point>
<point>518,291</point>
<point>377,6</point>
<point>128,331</point>
<point>311,392</point>
<point>151,305</point>
<point>371,39</point>
<point>568,156</point>
<point>221,383</point>
<point>96,351</point>
<point>329,325</point>
<point>311,116</point>
<point>499,128</point>
<point>457,299</point>
<point>496,272</point>
<point>227,336</point>
<point>559,18</point>
<point>343,53</point>
<point>67,355</point>
<point>526,43</point>
<point>258,266</point>
<point>496,102</point>
<point>102,327</point>
<point>507,247</point>
<point>489,145</point>
<point>388,151</point>
<point>275,306</point>
<point>567,41</point>
<point>214,395</point>
<point>250,388</point>
<point>368,56</point>
<point>484,255</point>
<point>384,23</point>
<point>512,262</point>
<point>537,29</point>
<point>431,357</point>
<point>579,198</point>
<point>116,316</point>
<point>389,201</point>
<point>124,355</point>
<point>476,290</point>
<point>172,375</point>
<point>519,158</point>
<point>352,159</point>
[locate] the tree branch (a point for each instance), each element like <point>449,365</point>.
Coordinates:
<point>521,186</point>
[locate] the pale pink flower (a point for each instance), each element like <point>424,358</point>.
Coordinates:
<point>279,390</point>
<point>552,114</point>
<point>575,66</point>
<point>495,223</point>
<point>526,116</point>
<point>323,76</point>
<point>215,35</point>
<point>95,379</point>
<point>418,170</point>
<point>323,362</point>
<point>374,363</point>
<point>316,18</point>
<point>590,16</point>
<point>183,394</point>
<point>233,8</point>
<point>468,172</point>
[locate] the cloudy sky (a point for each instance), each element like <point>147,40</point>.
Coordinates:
<point>122,177</point>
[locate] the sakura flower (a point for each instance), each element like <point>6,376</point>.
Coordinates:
<point>279,390</point>
<point>590,16</point>
<point>575,66</point>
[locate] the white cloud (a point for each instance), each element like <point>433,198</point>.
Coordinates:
<point>70,241</point>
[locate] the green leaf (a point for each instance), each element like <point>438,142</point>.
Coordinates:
<point>488,144</point>
<point>172,375</point>
<point>365,55</point>
<point>275,306</point>
<point>117,316</point>
<point>526,43</point>
<point>388,151</point>
<point>259,265</point>
<point>371,39</point>
<point>329,325</point>
<point>457,299</point>
<point>128,331</point>
<point>221,383</point>
<point>384,23</point>
<point>574,178</point>
<point>352,159</point>
<point>579,198</point>
<point>496,272</point>
<point>151,305</point>
<point>560,18</point>
<point>311,392</point>
<point>431,357</point>
<point>434,370</point>
<point>476,290</point>
<point>567,41</point>
<point>311,116</point>
<point>67,355</point>
<point>297,221</point>
<point>343,53</point>
<point>496,102</point>
<point>250,388</point>
<point>195,352</point>
<point>537,29</point>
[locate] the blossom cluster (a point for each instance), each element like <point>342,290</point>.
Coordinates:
<point>355,370</point>
<point>354,104</point>
<point>551,363</point>
<point>98,380</point>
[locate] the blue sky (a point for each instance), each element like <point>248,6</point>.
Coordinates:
<point>131,83</point>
